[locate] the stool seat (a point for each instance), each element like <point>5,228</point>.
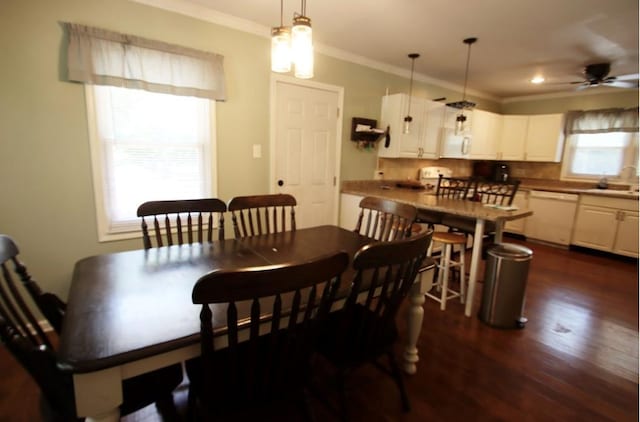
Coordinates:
<point>449,238</point>
<point>444,263</point>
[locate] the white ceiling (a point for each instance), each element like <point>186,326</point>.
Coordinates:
<point>516,38</point>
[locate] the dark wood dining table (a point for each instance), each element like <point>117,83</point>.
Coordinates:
<point>131,312</point>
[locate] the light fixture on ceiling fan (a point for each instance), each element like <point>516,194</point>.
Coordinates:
<point>406,127</point>
<point>598,75</point>
<point>293,46</point>
<point>461,119</point>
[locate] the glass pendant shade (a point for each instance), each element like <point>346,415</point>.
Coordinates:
<point>461,124</point>
<point>280,49</point>
<point>406,126</point>
<point>302,47</point>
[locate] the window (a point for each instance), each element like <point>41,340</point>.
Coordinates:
<point>147,146</point>
<point>601,143</point>
<point>599,155</point>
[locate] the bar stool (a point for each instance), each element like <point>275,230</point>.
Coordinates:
<point>444,263</point>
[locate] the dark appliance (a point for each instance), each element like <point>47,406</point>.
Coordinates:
<point>483,170</point>
<point>501,172</point>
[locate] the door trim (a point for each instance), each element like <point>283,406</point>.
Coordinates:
<point>277,78</point>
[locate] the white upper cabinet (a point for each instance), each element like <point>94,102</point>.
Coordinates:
<point>452,145</point>
<point>484,135</point>
<point>545,138</point>
<point>512,139</point>
<point>424,137</point>
<point>537,137</point>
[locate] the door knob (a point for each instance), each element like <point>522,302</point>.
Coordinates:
<point>280,182</point>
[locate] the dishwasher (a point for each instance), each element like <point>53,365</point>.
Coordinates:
<point>553,216</point>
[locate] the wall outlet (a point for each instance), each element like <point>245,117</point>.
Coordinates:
<point>257,151</point>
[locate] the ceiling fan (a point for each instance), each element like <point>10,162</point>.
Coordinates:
<point>597,75</point>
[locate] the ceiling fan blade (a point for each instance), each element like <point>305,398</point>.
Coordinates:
<point>584,85</point>
<point>631,77</point>
<point>622,84</point>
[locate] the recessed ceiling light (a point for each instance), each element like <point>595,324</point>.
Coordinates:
<point>537,79</point>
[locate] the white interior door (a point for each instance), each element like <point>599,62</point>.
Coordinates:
<point>305,148</point>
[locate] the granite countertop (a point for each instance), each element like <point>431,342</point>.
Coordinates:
<point>367,187</point>
<point>427,200</point>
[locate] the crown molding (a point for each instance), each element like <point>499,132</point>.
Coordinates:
<point>198,11</point>
<point>556,95</point>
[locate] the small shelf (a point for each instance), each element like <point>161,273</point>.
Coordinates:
<point>365,137</point>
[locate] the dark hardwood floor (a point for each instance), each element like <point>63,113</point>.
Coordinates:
<point>577,358</point>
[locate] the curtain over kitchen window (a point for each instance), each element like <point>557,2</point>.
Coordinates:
<point>601,143</point>
<point>100,57</point>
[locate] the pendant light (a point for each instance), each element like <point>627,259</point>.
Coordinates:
<point>462,125</point>
<point>406,127</point>
<point>281,46</point>
<point>302,44</point>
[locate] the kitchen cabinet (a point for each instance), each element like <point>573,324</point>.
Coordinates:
<point>545,138</point>
<point>531,138</point>
<point>484,134</point>
<point>607,224</point>
<point>426,127</point>
<point>512,139</point>
<point>349,210</point>
<point>477,144</point>
<point>521,200</point>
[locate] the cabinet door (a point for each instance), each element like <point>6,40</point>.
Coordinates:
<point>521,200</point>
<point>390,115</point>
<point>513,133</point>
<point>484,133</point>
<point>595,227</point>
<point>433,122</point>
<point>349,210</point>
<point>627,236</point>
<point>544,138</point>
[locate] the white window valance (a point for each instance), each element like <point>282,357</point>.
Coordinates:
<point>602,121</point>
<point>101,57</point>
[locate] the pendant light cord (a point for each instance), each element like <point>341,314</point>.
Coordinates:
<point>413,57</point>
<point>466,74</point>
<point>281,13</point>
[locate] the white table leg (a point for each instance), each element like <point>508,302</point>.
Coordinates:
<point>415,315</point>
<point>475,261</point>
<point>99,395</point>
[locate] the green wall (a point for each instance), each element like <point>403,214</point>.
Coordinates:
<point>45,173</point>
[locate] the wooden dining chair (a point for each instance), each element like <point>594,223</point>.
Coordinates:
<point>21,333</point>
<point>272,316</point>
<point>385,220</point>
<point>447,187</point>
<point>181,222</point>
<point>364,329</point>
<point>262,214</point>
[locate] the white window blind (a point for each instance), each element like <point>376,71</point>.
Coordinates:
<point>147,146</point>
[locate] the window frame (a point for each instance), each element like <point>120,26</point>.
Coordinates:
<point>105,230</point>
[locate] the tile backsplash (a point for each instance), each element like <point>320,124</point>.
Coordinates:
<point>407,168</point>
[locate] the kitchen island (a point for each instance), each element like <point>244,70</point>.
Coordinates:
<point>427,200</point>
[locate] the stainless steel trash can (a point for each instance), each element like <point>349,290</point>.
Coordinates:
<point>505,282</point>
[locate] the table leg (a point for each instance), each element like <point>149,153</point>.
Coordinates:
<point>475,261</point>
<point>99,395</point>
<point>414,315</point>
<point>497,236</point>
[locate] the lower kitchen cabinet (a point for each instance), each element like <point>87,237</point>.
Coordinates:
<point>607,224</point>
<point>349,210</point>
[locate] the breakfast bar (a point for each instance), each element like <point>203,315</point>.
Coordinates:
<point>427,200</point>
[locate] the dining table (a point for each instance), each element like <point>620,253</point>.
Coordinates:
<point>131,312</point>
<point>428,201</point>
